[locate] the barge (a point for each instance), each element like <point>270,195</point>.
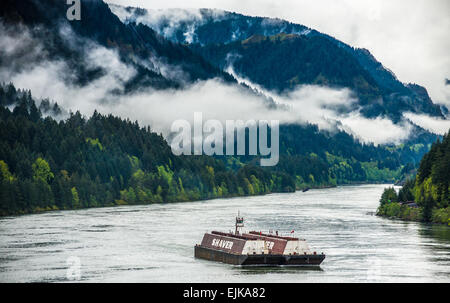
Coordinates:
<point>256,248</point>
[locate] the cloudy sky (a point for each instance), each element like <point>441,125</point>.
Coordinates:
<point>410,37</point>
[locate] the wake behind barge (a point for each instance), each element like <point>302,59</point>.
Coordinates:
<point>256,248</point>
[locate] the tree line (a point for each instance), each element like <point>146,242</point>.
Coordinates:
<point>430,189</point>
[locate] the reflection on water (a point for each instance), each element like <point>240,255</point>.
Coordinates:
<point>154,243</point>
<point>438,232</point>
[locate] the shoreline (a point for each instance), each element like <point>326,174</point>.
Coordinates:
<point>118,204</point>
<point>41,211</point>
<point>408,214</point>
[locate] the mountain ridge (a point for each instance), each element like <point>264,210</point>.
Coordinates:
<point>224,28</point>
<point>133,42</point>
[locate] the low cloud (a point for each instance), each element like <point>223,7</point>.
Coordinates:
<point>165,21</point>
<point>333,109</point>
<point>432,124</point>
<point>378,130</point>
<point>330,109</point>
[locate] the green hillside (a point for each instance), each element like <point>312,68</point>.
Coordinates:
<point>430,189</point>
<point>105,161</point>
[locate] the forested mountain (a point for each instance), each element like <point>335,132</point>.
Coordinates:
<point>138,45</point>
<point>105,160</point>
<point>273,53</point>
<point>430,189</point>
<point>279,55</point>
<point>284,61</point>
<point>207,26</point>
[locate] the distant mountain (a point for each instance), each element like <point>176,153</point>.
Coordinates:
<point>207,26</point>
<point>172,48</point>
<point>279,55</point>
<point>138,45</point>
<point>283,61</point>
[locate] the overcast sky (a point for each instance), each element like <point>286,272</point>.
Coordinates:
<point>410,37</point>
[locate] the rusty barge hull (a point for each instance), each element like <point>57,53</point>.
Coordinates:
<point>257,259</point>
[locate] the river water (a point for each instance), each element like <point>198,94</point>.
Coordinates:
<point>155,243</point>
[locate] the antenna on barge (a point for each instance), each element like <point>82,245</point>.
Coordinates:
<point>239,224</point>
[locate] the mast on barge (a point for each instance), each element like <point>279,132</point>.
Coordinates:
<point>239,224</point>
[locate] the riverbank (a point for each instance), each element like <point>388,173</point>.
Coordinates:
<point>395,210</point>
<point>121,202</point>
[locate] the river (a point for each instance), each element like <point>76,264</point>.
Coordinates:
<point>155,243</point>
